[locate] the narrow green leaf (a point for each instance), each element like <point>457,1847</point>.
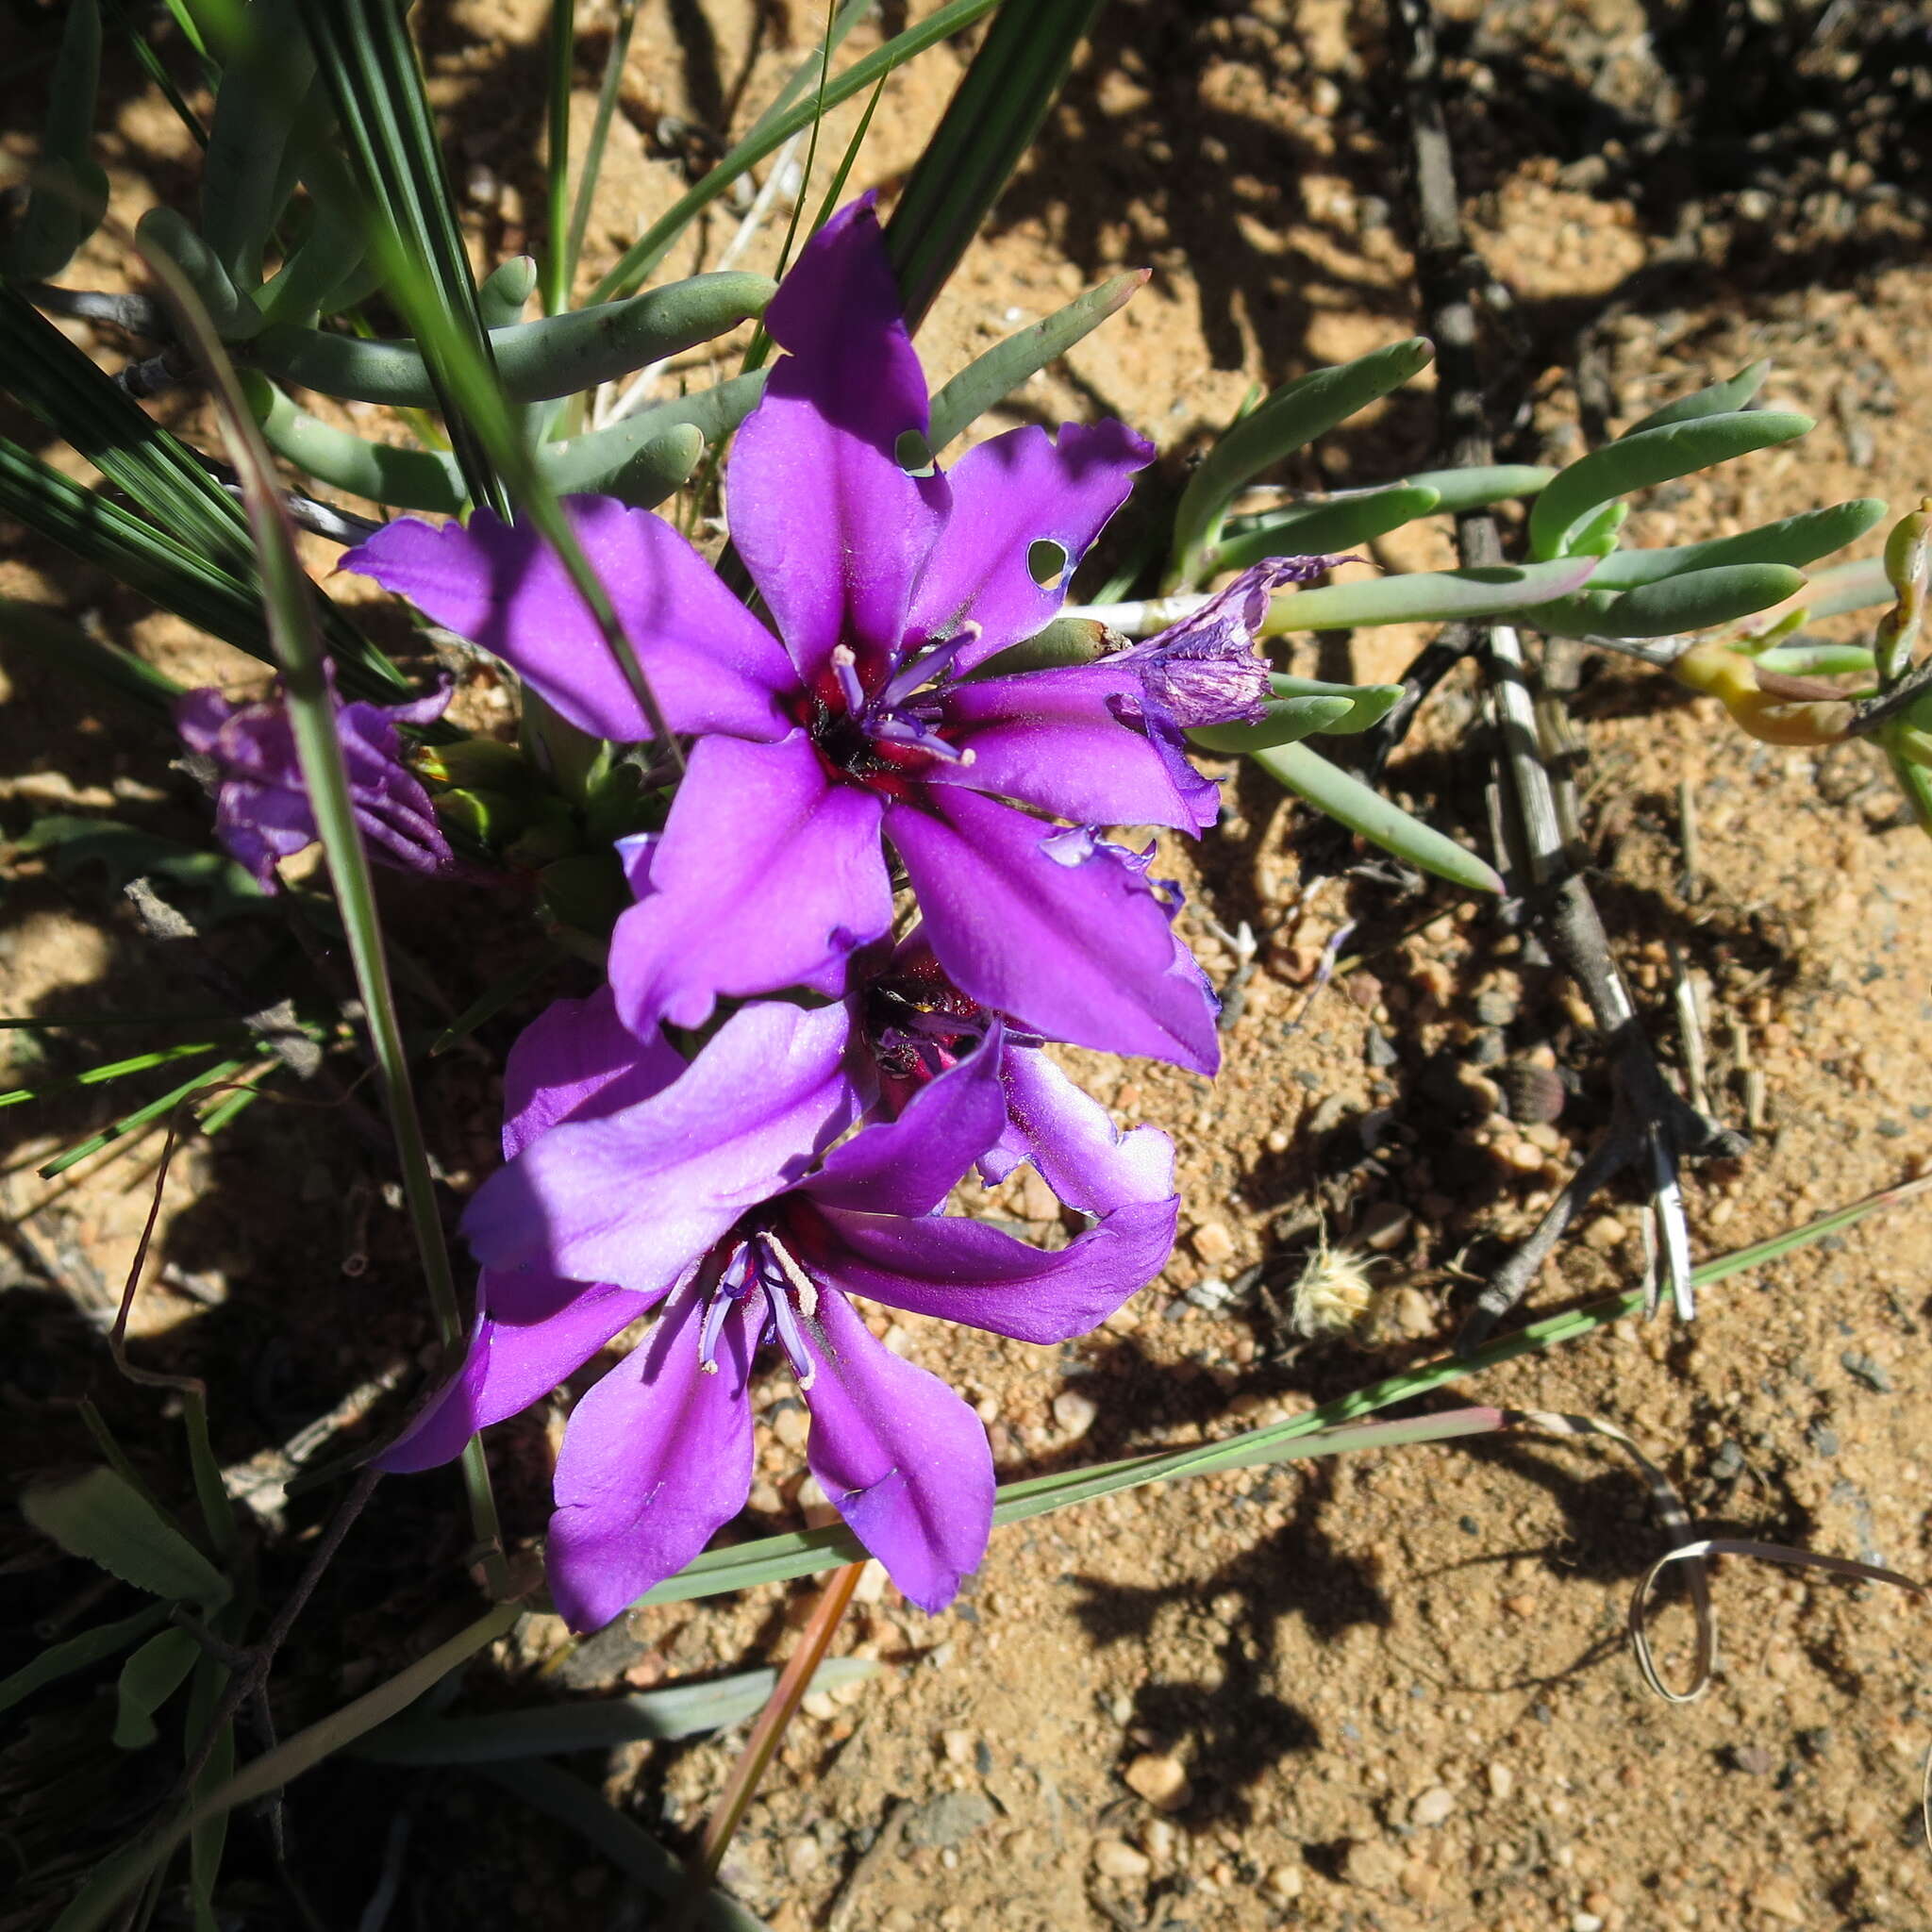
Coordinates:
<point>1719,399</point>
<point>1700,599</point>
<point>619,1838</point>
<point>103,1519</point>
<point>806,74</point>
<point>538,362</point>
<point>208,1837</point>
<point>76,1654</point>
<point>148,1680</point>
<point>506,291</point>
<point>1481,485</point>
<point>1818,661</point>
<point>774,131</point>
<point>69,191</point>
<point>683,1710</point>
<point>642,469</point>
<point>234,314</point>
<point>990,379</point>
<point>141,1117</point>
<point>1288,721</point>
<point>588,176</point>
<point>117,1877</point>
<point>1796,540</point>
<point>246,179</point>
<point>1428,596</point>
<point>103,1076</point>
<point>67,647</point>
<point>1596,536</point>
<point>1362,808</point>
<point>562,48</point>
<point>1847,587</point>
<point>1646,458</point>
<point>383,472</point>
<point>1002,98</point>
<point>1292,418</point>
<point>1369,704</point>
<point>1319,530</point>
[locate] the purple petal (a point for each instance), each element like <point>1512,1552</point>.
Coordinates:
<point>577,1059</point>
<point>656,1459</point>
<point>1056,739</point>
<point>903,1460</point>
<point>1080,951</point>
<point>711,665</point>
<point>908,1165</point>
<point>514,1361</point>
<point>833,531</point>
<point>1071,1138</point>
<point>965,1271</point>
<point>1010,493</point>
<point>767,875</point>
<point>636,1197</point>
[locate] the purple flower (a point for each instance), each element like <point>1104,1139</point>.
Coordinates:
<point>887,586</point>
<point>262,812</point>
<point>918,1025</point>
<point>718,1198</point>
<point>1208,669</point>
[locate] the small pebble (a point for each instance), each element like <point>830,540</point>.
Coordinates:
<point>1604,1234</point>
<point>1115,1859</point>
<point>1074,1413</point>
<point>1385,1226</point>
<point>1213,1243</point>
<point>1433,1807</point>
<point>1523,1606</point>
<point>1778,1898</point>
<point>1526,1157</point>
<point>957,1746</point>
<point>1752,1760</point>
<point>1495,1007</point>
<point>1585,1922</point>
<point>1502,1780</point>
<point>791,1426</point>
<point>1373,1866</point>
<point>1285,1882</point>
<point>1868,1370</point>
<point>818,1705</point>
<point>1160,1779</point>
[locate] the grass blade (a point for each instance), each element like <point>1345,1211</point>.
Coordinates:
<point>561,50</point>
<point>990,123</point>
<point>141,1117</point>
<point>774,131</point>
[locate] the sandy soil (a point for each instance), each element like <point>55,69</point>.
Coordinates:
<point>1385,1692</point>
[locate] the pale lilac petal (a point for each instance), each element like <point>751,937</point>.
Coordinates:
<point>903,1460</point>
<point>514,1363</point>
<point>833,531</point>
<point>1057,740</point>
<point>711,665</point>
<point>636,1197</point>
<point>767,875</point>
<point>1009,494</point>
<point>1081,952</point>
<point>966,1271</point>
<point>1071,1138</point>
<point>908,1165</point>
<point>577,1059</point>
<point>656,1458</point>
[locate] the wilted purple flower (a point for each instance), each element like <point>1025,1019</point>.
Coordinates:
<point>1208,668</point>
<point>919,1026</point>
<point>714,1199</point>
<point>262,812</point>
<point>888,586</point>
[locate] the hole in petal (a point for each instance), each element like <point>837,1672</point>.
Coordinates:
<point>913,454</point>
<point>1047,562</point>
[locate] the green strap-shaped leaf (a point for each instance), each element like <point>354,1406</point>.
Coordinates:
<point>1695,601</point>
<point>990,378</point>
<point>65,645</point>
<point>1818,661</point>
<point>101,1517</point>
<point>506,291</point>
<point>148,1680</point>
<point>1847,587</point>
<point>382,472</point>
<point>683,1710</point>
<point>327,263</point>
<point>208,1836</point>
<point>1428,596</point>
<point>990,123</point>
<point>556,356</point>
<point>1287,721</point>
<point>1596,536</point>
<point>1481,485</point>
<point>1362,808</point>
<point>69,195</point>
<point>81,1653</point>
<point>1796,540</point>
<point>1293,417</point>
<point>1368,704</point>
<point>261,108</point>
<point>1718,399</point>
<point>1318,530</point>
<point>1646,457</point>
<point>642,478</point>
<point>234,316</point>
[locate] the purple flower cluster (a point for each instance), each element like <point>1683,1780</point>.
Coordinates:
<point>885,856</point>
